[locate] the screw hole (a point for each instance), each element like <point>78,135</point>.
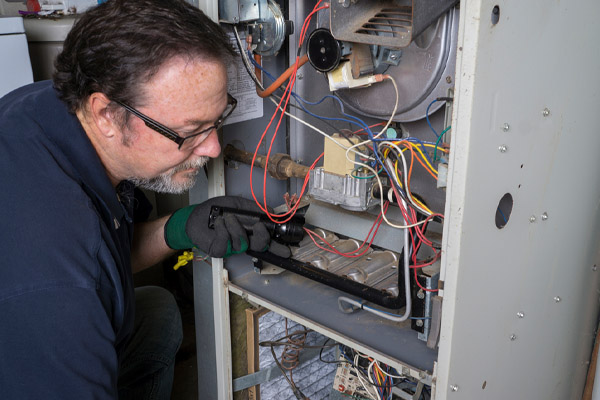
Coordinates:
<point>504,210</point>
<point>495,15</point>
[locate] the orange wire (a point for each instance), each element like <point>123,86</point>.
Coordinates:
<point>282,78</point>
<point>419,159</point>
<point>286,97</point>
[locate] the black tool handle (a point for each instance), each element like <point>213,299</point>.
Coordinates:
<point>290,232</point>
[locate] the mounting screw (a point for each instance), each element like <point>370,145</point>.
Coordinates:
<point>454,388</point>
<point>267,281</point>
<point>254,260</point>
<point>448,79</point>
<point>393,56</point>
<point>557,299</point>
<point>299,76</point>
<point>546,112</point>
<point>419,323</point>
<point>532,218</point>
<point>506,127</point>
<point>594,267</point>
<point>502,148</point>
<point>544,216</point>
<point>520,314</point>
<point>421,294</point>
<point>513,337</point>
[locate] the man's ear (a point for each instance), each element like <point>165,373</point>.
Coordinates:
<point>102,115</point>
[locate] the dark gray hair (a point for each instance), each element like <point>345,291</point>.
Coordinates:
<point>120,44</point>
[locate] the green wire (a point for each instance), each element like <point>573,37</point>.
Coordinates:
<point>363,177</point>
<point>437,143</point>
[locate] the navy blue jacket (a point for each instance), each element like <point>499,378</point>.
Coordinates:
<point>66,292</point>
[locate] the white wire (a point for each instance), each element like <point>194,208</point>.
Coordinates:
<point>379,183</point>
<point>314,128</point>
<point>382,370</point>
<point>395,106</point>
<point>358,373</point>
<point>390,166</point>
<point>245,60</point>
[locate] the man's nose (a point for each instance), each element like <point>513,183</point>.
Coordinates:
<point>209,147</point>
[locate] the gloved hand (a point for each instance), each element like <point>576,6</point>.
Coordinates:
<point>188,228</point>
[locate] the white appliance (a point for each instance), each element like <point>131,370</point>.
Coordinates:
<point>46,37</point>
<point>15,68</point>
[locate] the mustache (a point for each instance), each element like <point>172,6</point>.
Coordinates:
<point>196,164</point>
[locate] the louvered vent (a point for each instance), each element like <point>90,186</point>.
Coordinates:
<point>383,23</point>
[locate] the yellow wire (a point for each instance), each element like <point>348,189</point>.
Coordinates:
<point>421,153</point>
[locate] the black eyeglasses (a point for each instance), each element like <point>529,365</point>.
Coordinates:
<point>174,136</point>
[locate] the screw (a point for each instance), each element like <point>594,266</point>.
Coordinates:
<point>503,148</point>
<point>267,281</point>
<point>419,323</point>
<point>532,218</point>
<point>393,56</point>
<point>557,299</point>
<point>300,76</point>
<point>454,388</point>
<point>448,79</point>
<point>520,314</point>
<point>254,260</point>
<point>505,127</point>
<point>513,337</point>
<point>544,216</point>
<point>546,112</point>
<point>594,267</point>
<point>421,294</point>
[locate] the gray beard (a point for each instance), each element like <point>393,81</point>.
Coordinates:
<point>164,183</point>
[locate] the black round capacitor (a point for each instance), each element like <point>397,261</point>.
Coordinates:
<point>323,50</point>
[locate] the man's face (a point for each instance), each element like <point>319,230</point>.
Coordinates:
<point>187,97</point>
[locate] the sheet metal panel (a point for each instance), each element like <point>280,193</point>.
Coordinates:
<point>521,303</point>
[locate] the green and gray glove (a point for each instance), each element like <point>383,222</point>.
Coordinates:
<point>188,228</point>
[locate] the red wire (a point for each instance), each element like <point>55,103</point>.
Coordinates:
<point>376,225</point>
<point>423,288</point>
<point>286,97</point>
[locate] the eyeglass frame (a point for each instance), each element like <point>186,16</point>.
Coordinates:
<point>170,133</point>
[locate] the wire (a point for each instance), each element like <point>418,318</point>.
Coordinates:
<point>283,77</point>
<point>245,60</point>
<point>427,118</point>
<point>437,142</point>
<point>408,309</point>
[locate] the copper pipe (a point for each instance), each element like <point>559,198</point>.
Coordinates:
<point>280,166</point>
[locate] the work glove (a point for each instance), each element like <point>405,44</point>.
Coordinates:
<point>188,228</point>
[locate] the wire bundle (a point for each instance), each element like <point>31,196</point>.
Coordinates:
<point>377,157</point>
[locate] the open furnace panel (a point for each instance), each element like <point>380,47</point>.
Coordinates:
<point>369,119</point>
<point>414,88</point>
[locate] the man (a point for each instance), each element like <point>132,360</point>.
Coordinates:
<point>71,153</point>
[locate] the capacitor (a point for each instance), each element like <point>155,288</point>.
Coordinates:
<point>323,50</point>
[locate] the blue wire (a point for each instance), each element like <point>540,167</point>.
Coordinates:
<point>353,120</point>
<point>427,117</point>
<point>504,217</point>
